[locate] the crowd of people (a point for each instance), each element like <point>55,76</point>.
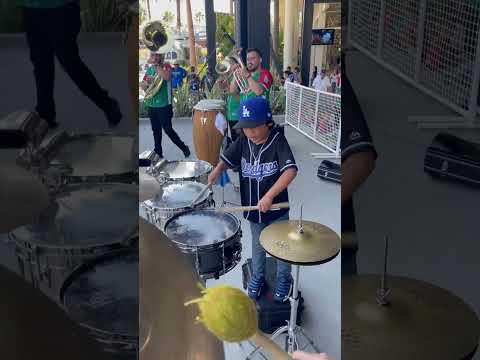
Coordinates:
<point>327,81</point>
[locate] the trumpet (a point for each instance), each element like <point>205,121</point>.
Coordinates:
<point>224,68</point>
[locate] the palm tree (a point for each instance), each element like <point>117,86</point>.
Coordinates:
<point>148,10</point>
<point>231,7</point>
<point>199,17</point>
<point>179,21</point>
<point>276,26</point>
<point>168,17</point>
<point>191,35</point>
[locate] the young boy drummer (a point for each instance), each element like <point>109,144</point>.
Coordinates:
<point>267,167</point>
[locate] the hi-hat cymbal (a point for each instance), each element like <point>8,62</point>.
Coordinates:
<point>148,185</point>
<point>22,197</point>
<point>422,321</point>
<point>315,245</point>
<point>167,328</point>
<point>32,326</point>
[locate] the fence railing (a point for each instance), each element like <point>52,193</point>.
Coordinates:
<point>316,114</point>
<point>434,45</point>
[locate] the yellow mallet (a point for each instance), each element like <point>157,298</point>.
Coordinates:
<point>231,316</point>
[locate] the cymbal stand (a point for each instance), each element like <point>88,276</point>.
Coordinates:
<point>292,329</point>
<point>384,291</point>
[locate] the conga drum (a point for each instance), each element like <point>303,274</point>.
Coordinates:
<point>206,137</point>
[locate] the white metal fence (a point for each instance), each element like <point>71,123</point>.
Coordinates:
<point>432,44</point>
<point>316,114</point>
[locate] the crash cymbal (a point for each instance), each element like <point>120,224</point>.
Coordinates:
<point>317,244</point>
<point>167,328</point>
<point>422,321</point>
<point>148,185</point>
<point>32,326</point>
<point>22,197</point>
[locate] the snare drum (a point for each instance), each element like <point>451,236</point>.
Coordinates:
<point>89,158</point>
<point>206,137</point>
<point>83,223</point>
<point>102,296</point>
<point>212,239</point>
<point>175,198</point>
<point>183,170</point>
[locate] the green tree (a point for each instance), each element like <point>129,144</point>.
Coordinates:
<point>199,16</point>
<point>168,17</point>
<point>225,23</point>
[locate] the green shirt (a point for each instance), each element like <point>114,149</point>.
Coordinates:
<point>264,78</point>
<point>232,108</point>
<point>45,4</point>
<point>164,96</point>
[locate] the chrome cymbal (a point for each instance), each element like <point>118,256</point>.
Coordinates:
<point>315,245</point>
<point>33,326</point>
<point>167,328</point>
<point>22,197</point>
<point>421,321</point>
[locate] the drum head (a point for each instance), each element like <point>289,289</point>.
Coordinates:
<point>103,295</point>
<point>177,195</point>
<point>186,169</point>
<point>201,227</point>
<point>209,105</point>
<point>111,155</point>
<point>88,216</point>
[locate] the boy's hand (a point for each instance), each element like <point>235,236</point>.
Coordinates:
<point>265,204</point>
<point>213,178</point>
<point>301,355</point>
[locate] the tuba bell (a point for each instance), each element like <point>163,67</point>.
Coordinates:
<point>156,38</point>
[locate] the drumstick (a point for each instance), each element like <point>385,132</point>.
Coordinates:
<point>208,187</point>
<point>278,206</point>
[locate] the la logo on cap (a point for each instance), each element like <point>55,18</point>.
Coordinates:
<point>246,112</point>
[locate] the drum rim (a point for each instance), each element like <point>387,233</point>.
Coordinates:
<point>193,247</point>
<point>84,268</point>
<point>205,198</point>
<point>65,192</point>
<point>209,168</point>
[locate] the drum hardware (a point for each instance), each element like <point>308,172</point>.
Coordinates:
<point>167,327</point>
<point>202,193</point>
<point>294,239</point>
<point>148,158</point>
<point>387,321</point>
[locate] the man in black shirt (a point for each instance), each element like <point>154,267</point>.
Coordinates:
<point>358,161</point>
<point>267,168</point>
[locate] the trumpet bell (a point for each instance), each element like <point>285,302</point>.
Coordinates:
<point>222,67</point>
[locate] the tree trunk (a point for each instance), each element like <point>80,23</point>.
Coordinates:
<point>276,25</point>
<point>179,21</point>
<point>191,35</point>
<point>148,10</point>
<point>231,7</point>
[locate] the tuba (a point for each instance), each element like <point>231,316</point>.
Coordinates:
<point>156,38</point>
<point>223,68</point>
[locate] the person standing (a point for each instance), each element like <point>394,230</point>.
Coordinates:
<point>160,105</point>
<point>51,28</point>
<point>257,80</point>
<point>322,82</point>
<point>178,75</point>
<point>314,75</point>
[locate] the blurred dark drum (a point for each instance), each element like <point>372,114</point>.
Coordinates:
<point>211,239</point>
<point>102,296</point>
<point>83,222</point>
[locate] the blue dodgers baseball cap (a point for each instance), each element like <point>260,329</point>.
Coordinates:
<point>253,112</point>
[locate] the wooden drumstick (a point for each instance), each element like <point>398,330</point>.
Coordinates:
<point>278,206</point>
<point>208,187</point>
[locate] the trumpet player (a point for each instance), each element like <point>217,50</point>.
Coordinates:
<point>160,104</point>
<point>257,80</point>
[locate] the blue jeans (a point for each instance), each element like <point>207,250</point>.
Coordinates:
<point>259,255</point>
